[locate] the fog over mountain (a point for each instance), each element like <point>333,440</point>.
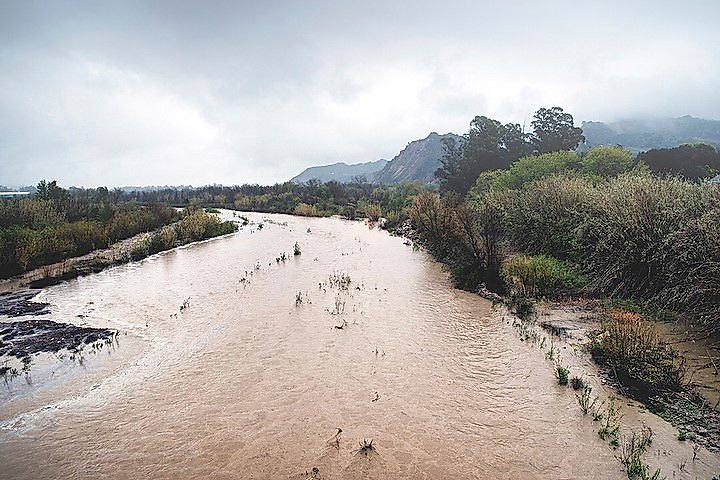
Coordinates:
<point>647,133</point>
<point>341,172</point>
<point>175,92</point>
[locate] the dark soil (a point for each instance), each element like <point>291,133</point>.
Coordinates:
<point>16,304</point>
<point>23,338</point>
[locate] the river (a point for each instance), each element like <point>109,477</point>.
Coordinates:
<point>250,382</point>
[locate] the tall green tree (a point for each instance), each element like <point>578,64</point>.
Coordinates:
<point>50,191</point>
<point>488,145</point>
<point>554,130</point>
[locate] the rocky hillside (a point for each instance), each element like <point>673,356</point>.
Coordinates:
<point>418,161</point>
<point>340,172</point>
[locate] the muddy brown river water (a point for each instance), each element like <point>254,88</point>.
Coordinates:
<point>247,383</point>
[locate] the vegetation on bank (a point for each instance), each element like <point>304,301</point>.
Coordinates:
<point>57,224</point>
<point>556,222</point>
<point>312,199</point>
<point>602,224</point>
<point>630,236</point>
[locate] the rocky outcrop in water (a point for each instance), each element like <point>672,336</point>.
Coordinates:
<point>27,337</point>
<point>23,338</point>
<point>15,304</point>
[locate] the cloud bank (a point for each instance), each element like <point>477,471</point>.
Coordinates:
<point>130,93</point>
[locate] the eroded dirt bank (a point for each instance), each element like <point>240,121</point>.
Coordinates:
<point>236,361</point>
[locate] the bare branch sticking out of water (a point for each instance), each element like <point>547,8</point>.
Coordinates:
<point>339,308</point>
<point>335,440</point>
<point>366,447</point>
<point>185,305</point>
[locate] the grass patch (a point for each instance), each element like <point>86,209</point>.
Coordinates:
<point>540,276</point>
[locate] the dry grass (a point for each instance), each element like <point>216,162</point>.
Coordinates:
<point>637,357</point>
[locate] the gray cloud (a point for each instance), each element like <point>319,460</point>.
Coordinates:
<point>170,92</point>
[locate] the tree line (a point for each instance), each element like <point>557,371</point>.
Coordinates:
<point>603,222</point>
<point>55,224</point>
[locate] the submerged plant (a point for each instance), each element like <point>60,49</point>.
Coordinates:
<point>610,427</point>
<point>366,446</point>
<point>577,383</point>
<point>552,353</point>
<point>586,404</point>
<point>561,374</point>
<point>185,304</point>
<point>8,373</point>
<point>339,280</point>
<point>339,306</point>
<point>630,454</point>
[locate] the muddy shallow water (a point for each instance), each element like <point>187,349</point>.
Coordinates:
<point>247,383</point>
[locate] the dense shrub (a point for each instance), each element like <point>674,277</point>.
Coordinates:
<point>627,227</point>
<point>57,224</point>
<point>540,276</point>
<point>369,210</point>
<point>606,161</point>
<point>305,210</point>
<point>535,167</point>
<point>692,265</point>
<point>547,214</point>
<point>163,239</point>
<point>198,225</point>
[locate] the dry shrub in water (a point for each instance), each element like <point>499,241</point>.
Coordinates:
<point>631,347</point>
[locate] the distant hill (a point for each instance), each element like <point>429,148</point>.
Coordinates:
<point>640,135</point>
<point>340,172</point>
<point>418,161</point>
<point>420,158</point>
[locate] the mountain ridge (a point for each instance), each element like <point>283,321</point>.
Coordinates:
<point>417,161</point>
<point>340,171</point>
<point>420,158</point>
<point>645,134</point>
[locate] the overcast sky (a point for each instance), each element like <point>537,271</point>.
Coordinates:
<point>155,92</point>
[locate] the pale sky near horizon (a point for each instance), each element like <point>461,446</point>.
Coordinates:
<point>177,92</point>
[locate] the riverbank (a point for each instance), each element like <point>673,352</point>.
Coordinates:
<point>640,438</point>
<point>691,408</point>
<point>194,227</point>
<point>580,325</point>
